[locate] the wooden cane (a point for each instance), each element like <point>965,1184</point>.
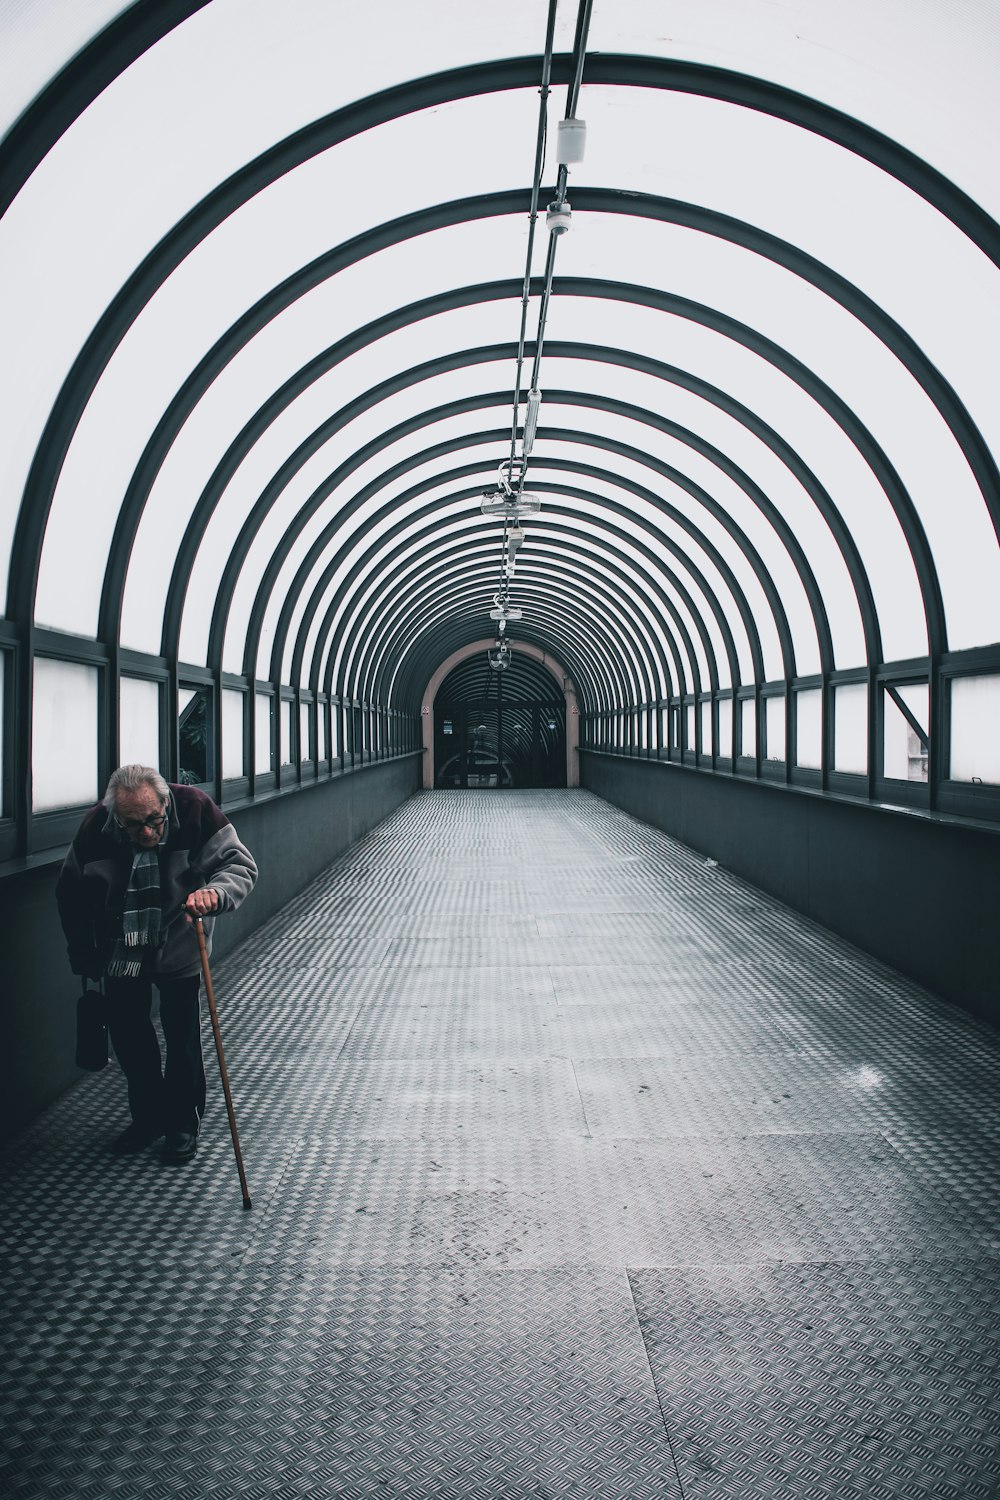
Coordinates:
<point>199,928</point>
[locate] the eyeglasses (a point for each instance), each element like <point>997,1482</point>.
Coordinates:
<point>136,823</point>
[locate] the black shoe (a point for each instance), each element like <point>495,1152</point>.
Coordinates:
<point>180,1145</point>
<point>135,1138</point>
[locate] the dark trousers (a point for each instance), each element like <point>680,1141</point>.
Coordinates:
<point>172,1097</point>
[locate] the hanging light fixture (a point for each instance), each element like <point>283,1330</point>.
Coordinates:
<point>497,503</point>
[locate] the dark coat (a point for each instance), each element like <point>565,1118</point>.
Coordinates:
<point>201,849</point>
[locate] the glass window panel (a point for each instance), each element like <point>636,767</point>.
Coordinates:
<point>139,726</point>
<point>195,734</point>
<point>707,738</point>
<point>689,740</point>
<point>809,728</point>
<point>233,712</point>
<point>263,733</point>
<point>904,756</point>
<point>64,735</point>
<point>306,741</point>
<point>323,718</point>
<point>748,727</point>
<point>664,729</point>
<point>975,729</point>
<point>287,747</point>
<point>850,728</point>
<point>726,727</point>
<point>774,725</point>
<point>335,731</point>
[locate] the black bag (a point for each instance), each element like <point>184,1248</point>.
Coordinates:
<point>91,1031</point>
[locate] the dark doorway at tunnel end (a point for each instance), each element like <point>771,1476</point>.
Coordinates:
<point>500,744</point>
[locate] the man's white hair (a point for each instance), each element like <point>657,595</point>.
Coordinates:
<point>132,779</point>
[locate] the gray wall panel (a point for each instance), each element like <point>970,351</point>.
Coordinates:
<point>920,893</point>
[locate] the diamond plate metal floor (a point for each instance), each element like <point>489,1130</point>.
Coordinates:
<point>579,1168</point>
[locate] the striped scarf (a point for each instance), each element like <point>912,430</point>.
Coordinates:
<point>140,916</point>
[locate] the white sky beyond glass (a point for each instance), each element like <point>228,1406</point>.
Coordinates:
<point>850,728</point>
<point>774,709</point>
<point>975,729</point>
<point>263,717</point>
<point>748,727</point>
<point>809,728</point>
<point>726,727</point>
<point>287,748</point>
<point>233,712</point>
<point>901,749</point>
<point>64,743</point>
<point>139,707</point>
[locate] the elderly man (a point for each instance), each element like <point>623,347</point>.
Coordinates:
<point>145,862</point>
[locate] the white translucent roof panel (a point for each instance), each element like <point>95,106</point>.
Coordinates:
<point>879,64</point>
<point>205,437</point>
<point>368,590</point>
<point>854,218</point>
<point>476,532</point>
<point>276,233</point>
<point>297,492</point>
<point>362,526</point>
<point>801,320</point>
<point>799,420</point>
<point>735,442</point>
<point>39,40</point>
<point>594,614</point>
<point>662,535</point>
<point>253,74</point>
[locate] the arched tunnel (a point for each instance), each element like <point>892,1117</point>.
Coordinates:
<point>535,469</point>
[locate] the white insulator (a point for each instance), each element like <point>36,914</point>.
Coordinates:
<point>571,142</point>
<point>531,421</point>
